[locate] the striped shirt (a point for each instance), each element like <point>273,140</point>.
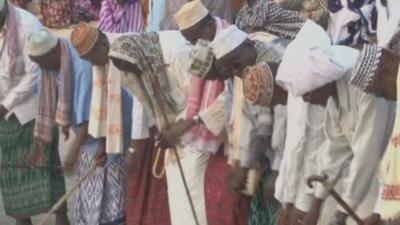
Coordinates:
<point>121,19</point>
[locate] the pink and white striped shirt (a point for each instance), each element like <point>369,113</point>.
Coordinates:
<point>121,19</point>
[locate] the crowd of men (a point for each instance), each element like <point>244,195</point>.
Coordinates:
<point>253,121</point>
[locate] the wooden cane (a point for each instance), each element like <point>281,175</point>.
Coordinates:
<point>329,187</point>
<point>159,98</point>
<point>62,200</point>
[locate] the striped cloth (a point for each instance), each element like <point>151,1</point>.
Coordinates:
<point>202,95</point>
<point>55,107</point>
<point>10,32</point>
<point>121,19</point>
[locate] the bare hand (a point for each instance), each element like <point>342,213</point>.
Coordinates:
<point>237,179</point>
<point>171,136</point>
<point>71,159</point>
<point>373,219</point>
<point>340,218</point>
<point>65,132</point>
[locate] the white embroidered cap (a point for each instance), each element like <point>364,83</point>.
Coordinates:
<point>190,14</point>
<point>41,42</point>
<point>227,40</point>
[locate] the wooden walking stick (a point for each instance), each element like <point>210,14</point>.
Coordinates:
<point>159,98</point>
<point>329,187</point>
<point>62,200</point>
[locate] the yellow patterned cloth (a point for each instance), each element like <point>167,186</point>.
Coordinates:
<point>390,171</point>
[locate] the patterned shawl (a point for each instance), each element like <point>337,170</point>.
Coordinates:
<point>52,109</point>
<point>121,19</point>
<point>269,17</point>
<point>11,37</point>
<point>151,87</point>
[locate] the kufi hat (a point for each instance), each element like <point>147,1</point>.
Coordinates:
<point>367,67</point>
<point>41,42</point>
<point>227,40</point>
<point>201,58</point>
<point>190,14</point>
<point>84,37</point>
<point>258,84</point>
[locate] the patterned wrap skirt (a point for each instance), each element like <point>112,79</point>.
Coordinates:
<point>26,191</point>
<point>101,198</point>
<point>147,196</point>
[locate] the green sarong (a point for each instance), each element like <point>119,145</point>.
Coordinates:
<point>26,191</point>
<point>260,214</point>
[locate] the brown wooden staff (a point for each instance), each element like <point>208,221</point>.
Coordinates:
<point>329,187</point>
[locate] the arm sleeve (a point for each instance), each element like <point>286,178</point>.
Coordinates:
<point>336,152</point>
<point>373,127</point>
<point>214,116</point>
<point>82,91</point>
<point>27,87</point>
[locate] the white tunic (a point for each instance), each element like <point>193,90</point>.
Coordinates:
<point>358,128</point>
<point>19,94</point>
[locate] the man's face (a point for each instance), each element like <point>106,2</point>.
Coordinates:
<point>126,66</point>
<point>99,54</point>
<point>236,61</point>
<point>217,72</point>
<point>205,30</point>
<point>49,61</point>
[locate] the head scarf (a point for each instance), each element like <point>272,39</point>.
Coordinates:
<point>151,87</point>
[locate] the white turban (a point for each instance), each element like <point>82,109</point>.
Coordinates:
<point>227,40</point>
<point>41,42</point>
<point>310,61</point>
